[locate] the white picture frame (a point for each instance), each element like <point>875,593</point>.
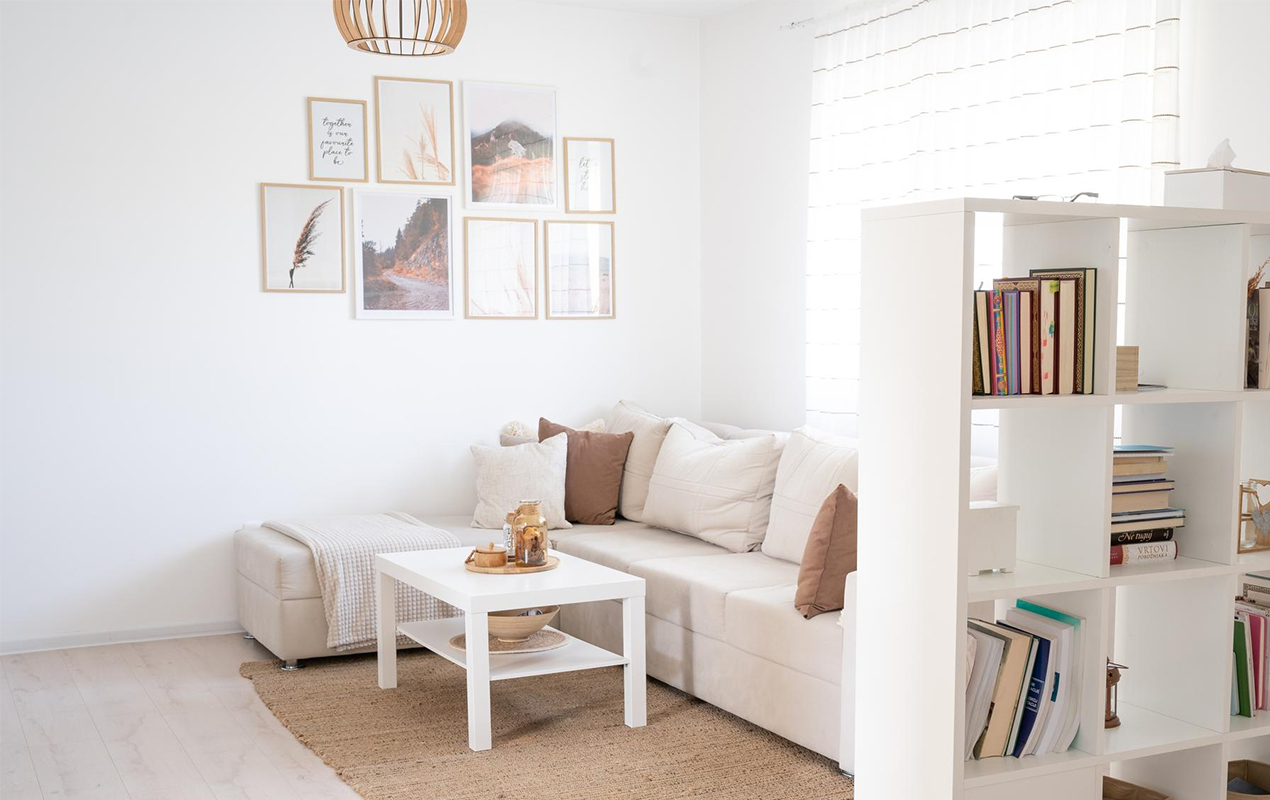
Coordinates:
<point>414,120</point>
<point>590,176</point>
<point>578,269</point>
<point>500,268</point>
<point>290,212</point>
<point>419,285</point>
<point>337,140</point>
<point>512,146</point>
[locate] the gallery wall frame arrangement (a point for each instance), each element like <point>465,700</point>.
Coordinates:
<point>512,146</point>
<point>414,120</point>
<point>500,268</point>
<point>302,237</point>
<point>578,269</point>
<point>337,140</point>
<point>403,254</point>
<point>590,176</point>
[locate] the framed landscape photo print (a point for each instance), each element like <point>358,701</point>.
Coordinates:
<point>589,176</point>
<point>415,121</point>
<point>512,145</point>
<point>403,255</point>
<point>500,268</point>
<point>337,140</point>
<point>579,270</point>
<point>302,237</point>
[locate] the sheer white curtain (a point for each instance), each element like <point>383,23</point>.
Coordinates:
<point>920,99</point>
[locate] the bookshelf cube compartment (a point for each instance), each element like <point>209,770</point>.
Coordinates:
<point>1195,774</point>
<point>1254,459</point>
<point>1075,784</point>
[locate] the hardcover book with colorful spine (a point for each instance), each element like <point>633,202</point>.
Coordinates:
<point>997,323</point>
<point>1085,317</point>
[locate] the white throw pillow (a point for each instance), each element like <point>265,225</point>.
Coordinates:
<point>812,466</point>
<point>716,490</point>
<point>507,475</point>
<point>649,430</point>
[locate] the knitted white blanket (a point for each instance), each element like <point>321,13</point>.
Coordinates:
<point>344,550</point>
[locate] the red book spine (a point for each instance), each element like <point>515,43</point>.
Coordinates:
<point>1139,553</point>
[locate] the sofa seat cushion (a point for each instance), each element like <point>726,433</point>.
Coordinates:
<point>621,547</point>
<point>276,563</point>
<point>764,623</point>
<point>691,591</point>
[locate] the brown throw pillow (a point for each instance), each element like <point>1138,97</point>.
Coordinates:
<point>593,474</point>
<point>830,554</point>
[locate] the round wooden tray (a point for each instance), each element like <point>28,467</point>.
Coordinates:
<point>514,569</point>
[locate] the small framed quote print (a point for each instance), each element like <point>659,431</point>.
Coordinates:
<point>579,270</point>
<point>302,237</point>
<point>589,176</point>
<point>500,268</point>
<point>337,140</point>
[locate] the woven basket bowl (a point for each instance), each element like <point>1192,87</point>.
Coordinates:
<point>509,626</point>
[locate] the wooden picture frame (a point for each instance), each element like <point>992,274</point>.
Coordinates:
<point>468,247</point>
<point>430,148</point>
<point>549,303</point>
<point>1250,505</point>
<point>334,140</point>
<point>576,181</point>
<point>511,128</point>
<point>289,221</point>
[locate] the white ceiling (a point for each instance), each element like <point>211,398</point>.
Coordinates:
<point>698,9</point>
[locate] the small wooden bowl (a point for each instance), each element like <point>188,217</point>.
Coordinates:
<point>492,556</point>
<point>509,626</point>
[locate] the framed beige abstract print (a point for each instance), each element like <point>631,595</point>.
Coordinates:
<point>589,176</point>
<point>415,121</point>
<point>579,270</point>
<point>302,237</point>
<point>500,268</point>
<point>337,140</point>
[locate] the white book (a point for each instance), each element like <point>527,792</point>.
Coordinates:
<point>1067,337</point>
<point>1064,707</point>
<point>983,681</point>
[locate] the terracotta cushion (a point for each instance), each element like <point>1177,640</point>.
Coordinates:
<point>593,473</point>
<point>830,555</point>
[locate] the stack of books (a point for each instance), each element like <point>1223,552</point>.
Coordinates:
<point>1023,682</point>
<point>1251,647</point>
<point>1035,335</point>
<point>1143,522</point>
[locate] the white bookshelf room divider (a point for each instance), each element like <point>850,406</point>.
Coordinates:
<point>1171,622</point>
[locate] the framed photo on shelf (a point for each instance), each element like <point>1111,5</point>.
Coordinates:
<point>415,121</point>
<point>302,237</point>
<point>579,270</point>
<point>589,176</point>
<point>337,140</point>
<point>500,268</point>
<point>511,146</point>
<point>403,255</point>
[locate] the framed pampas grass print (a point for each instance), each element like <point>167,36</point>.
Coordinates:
<point>511,145</point>
<point>579,270</point>
<point>402,251</point>
<point>500,268</point>
<point>415,121</point>
<point>589,176</point>
<point>302,237</point>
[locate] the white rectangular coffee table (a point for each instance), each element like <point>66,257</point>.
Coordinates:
<point>441,573</point>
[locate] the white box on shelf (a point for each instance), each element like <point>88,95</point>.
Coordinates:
<point>991,537</point>
<point>1234,189</point>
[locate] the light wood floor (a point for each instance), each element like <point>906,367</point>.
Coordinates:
<point>168,720</point>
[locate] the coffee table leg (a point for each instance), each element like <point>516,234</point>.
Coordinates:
<point>386,611</point>
<point>478,722</point>
<point>633,650</point>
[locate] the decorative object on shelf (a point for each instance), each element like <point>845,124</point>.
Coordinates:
<point>1254,515</point>
<point>500,268</point>
<point>1258,355</point>
<point>403,255</point>
<point>1126,369</point>
<point>337,140</point>
<point>579,270</point>
<point>490,556</point>
<point>509,542</point>
<point>991,537</point>
<point>518,624</point>
<point>590,176</point>
<point>415,121</point>
<point>1246,780</point>
<point>1115,789</point>
<point>514,568</point>
<point>529,530</point>
<point>512,144</point>
<point>302,237</point>
<point>547,639</point>
<point>1110,717</point>
<point>402,27</point>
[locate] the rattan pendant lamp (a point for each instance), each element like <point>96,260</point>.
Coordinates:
<point>402,27</point>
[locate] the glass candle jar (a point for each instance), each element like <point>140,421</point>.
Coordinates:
<point>530,532</point>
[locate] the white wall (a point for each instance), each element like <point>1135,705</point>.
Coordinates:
<point>152,398</point>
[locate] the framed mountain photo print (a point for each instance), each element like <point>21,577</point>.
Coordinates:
<point>302,237</point>
<point>415,121</point>
<point>588,176</point>
<point>511,146</point>
<point>579,270</point>
<point>403,255</point>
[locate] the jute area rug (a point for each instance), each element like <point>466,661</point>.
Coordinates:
<point>556,737</point>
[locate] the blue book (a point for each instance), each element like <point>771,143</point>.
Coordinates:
<point>1035,691</point>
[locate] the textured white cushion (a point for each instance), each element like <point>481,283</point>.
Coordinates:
<point>812,465</point>
<point>983,482</point>
<point>649,430</point>
<point>507,475</point>
<point>717,490</point>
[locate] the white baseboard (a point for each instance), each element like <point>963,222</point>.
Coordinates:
<point>11,647</point>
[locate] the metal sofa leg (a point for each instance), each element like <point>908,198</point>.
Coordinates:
<point>291,665</point>
<point>248,637</point>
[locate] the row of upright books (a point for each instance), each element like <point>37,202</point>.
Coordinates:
<point>1035,335</point>
<point>1144,522</point>
<point>1248,693</point>
<point>1023,682</point>
<point>1258,337</point>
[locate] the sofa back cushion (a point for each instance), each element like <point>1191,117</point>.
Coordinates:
<point>717,490</point>
<point>594,474</point>
<point>812,465</point>
<point>649,430</point>
<point>507,475</point>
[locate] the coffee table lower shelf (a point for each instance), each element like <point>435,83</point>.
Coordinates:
<point>575,655</point>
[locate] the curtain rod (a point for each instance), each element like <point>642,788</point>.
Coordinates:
<point>802,23</point>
